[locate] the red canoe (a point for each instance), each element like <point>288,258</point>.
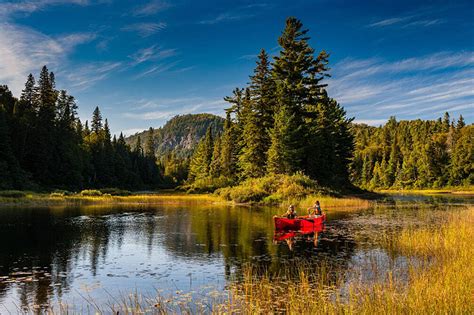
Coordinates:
<point>299,224</point>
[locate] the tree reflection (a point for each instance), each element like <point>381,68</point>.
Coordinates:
<point>41,248</point>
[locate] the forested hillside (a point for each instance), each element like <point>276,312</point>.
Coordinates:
<point>180,134</point>
<point>43,144</point>
<point>175,142</point>
<point>414,154</point>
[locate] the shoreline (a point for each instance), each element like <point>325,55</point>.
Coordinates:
<point>32,199</point>
<point>440,191</point>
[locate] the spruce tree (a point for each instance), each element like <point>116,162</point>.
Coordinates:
<point>216,161</point>
<point>202,157</point>
<point>96,122</point>
<point>229,149</point>
<point>150,144</point>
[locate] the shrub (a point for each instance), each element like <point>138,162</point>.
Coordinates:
<point>115,192</point>
<point>271,189</point>
<point>61,193</point>
<point>204,185</point>
<point>91,193</point>
<point>12,194</point>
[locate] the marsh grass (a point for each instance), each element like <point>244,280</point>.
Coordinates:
<point>440,280</point>
<point>56,199</point>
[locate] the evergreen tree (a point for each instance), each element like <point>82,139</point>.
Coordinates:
<point>201,159</point>
<point>229,149</point>
<point>216,161</point>
<point>150,144</point>
<point>96,122</point>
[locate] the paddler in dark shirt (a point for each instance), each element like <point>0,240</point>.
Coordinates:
<point>315,210</point>
<point>291,213</point>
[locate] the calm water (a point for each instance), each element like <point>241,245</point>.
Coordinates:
<point>72,255</point>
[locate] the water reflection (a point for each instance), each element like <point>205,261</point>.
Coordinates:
<point>62,254</point>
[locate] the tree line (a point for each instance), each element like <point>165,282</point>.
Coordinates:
<point>43,144</point>
<point>282,122</point>
<point>414,154</point>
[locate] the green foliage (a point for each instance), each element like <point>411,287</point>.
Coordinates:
<point>115,191</point>
<point>413,154</point>
<point>208,184</point>
<point>12,194</point>
<point>91,193</point>
<point>283,122</point>
<point>271,189</point>
<point>44,144</point>
<point>61,193</point>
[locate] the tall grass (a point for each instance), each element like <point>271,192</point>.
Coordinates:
<point>440,280</point>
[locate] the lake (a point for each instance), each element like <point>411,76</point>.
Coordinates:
<point>94,255</point>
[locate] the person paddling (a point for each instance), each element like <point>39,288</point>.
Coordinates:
<point>315,210</point>
<point>291,213</point>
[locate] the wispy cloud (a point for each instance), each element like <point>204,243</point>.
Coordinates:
<point>156,69</point>
<point>373,89</point>
<point>84,76</point>
<point>151,53</point>
<point>145,29</point>
<point>151,8</point>
<point>24,50</point>
<point>413,19</point>
<point>228,16</point>
<point>8,9</point>
<point>237,14</point>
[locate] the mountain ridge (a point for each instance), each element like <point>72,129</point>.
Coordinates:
<point>180,134</point>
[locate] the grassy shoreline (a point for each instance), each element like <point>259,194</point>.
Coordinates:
<point>450,190</point>
<point>32,199</point>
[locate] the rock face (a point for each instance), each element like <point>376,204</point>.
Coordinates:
<point>180,134</point>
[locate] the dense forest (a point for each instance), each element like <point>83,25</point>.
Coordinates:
<point>414,154</point>
<point>43,144</point>
<point>174,143</point>
<point>283,122</point>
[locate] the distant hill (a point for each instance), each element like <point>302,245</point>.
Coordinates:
<point>180,134</point>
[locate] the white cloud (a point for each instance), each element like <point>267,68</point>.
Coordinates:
<point>145,29</point>
<point>24,50</point>
<point>151,8</point>
<point>82,77</point>
<point>156,69</point>
<point>226,17</point>
<point>373,89</point>
<point>419,18</point>
<point>8,9</point>
<point>151,53</point>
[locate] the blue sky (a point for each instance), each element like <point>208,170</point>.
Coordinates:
<point>145,61</point>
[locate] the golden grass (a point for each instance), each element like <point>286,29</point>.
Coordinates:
<point>440,280</point>
<point>461,190</point>
<point>48,200</point>
<point>332,203</point>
